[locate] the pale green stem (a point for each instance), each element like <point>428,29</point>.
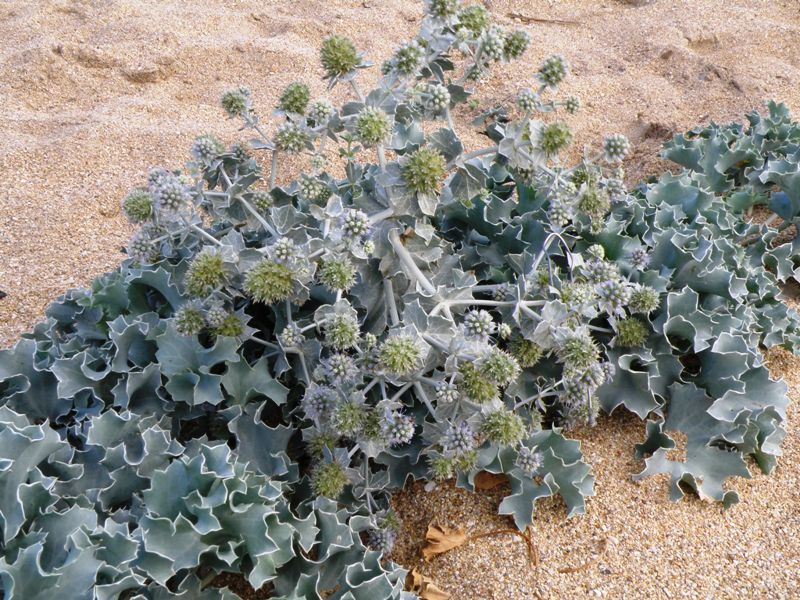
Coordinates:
<point>273,172</point>
<point>411,267</point>
<point>388,291</point>
<point>205,234</point>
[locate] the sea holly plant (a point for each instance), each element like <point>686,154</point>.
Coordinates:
<point>285,346</point>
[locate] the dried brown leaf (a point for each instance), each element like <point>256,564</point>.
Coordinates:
<point>487,481</point>
<point>441,539</point>
<point>424,587</point>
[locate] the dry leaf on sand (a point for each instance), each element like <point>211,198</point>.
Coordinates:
<point>441,539</point>
<point>423,586</point>
<point>487,481</point>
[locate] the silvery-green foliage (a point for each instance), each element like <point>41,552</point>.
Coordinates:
<point>245,391</point>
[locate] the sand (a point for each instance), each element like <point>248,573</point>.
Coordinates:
<point>96,92</point>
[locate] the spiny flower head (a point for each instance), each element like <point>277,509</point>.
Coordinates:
<point>321,111</point>
<point>516,43</point>
<point>329,479</point>
<point>424,171</point>
<point>381,540</point>
<point>474,19</point>
<point>504,426</point>
<point>578,350</point>
<point>644,299</point>
<point>231,326</point>
<point>400,355</point>
<point>446,392</point>
<point>341,331</point>
<point>338,273</point>
<point>555,137</point>
<point>340,368</point>
<point>397,428</point>
<point>595,203</point>
<point>269,282</point>
<point>170,193</point>
<point>138,205</point>
<point>189,319</point>
<point>441,467</point>
<point>475,384</point>
<point>631,332</point>
<point>442,9</point>
<point>292,138</point>
<point>559,214</point>
<point>294,98</point>
<point>408,58</point>
<point>504,331</point>
<point>338,56</point>
<point>350,418</point>
<point>458,439</point>
<point>528,461</point>
<point>577,295</point>
<point>314,189</point>
<point>284,250</point>
<point>261,200</point>
<point>318,401</point>
<point>526,352</point>
<point>596,251</point>
<point>291,336</point>
<point>499,367</point>
<point>142,248</point>
<point>614,295</point>
<point>615,147</point>
<point>236,102</point>
<point>437,97</point>
<point>553,70</point>
<point>598,270</point>
<point>479,324</point>
<point>528,100</point>
<point>373,126</point>
<point>572,104</point>
<point>215,316</point>
<point>206,147</point>
<point>206,272</point>
<point>493,43</point>
<point>356,223</point>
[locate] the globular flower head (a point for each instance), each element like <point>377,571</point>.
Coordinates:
<point>479,324</point>
<point>572,104</point>
<point>553,70</point>
<point>559,214</point>
<point>338,56</point>
<point>493,43</point>
<point>615,147</point>
<point>578,350</point>
<point>355,223</point>
<point>516,43</point>
<point>236,102</point>
<point>240,152</point>
<point>441,467</point>
<point>595,203</point>
<point>555,137</point>
<point>329,479</point>
<point>527,100</point>
<point>397,428</point>
<point>408,59</point>
<point>442,9</point>
<point>291,138</point>
<point>373,126</point>
<point>284,250</point>
<point>459,439</point>
<point>400,355</point>
<point>340,368</point>
<point>206,147</point>
<point>170,193</point>
<point>474,384</point>
<point>526,352</point>
<point>142,248</point>
<point>291,336</point>
<point>261,200</point>
<point>231,326</point>
<point>337,273</point>
<point>341,331</point>
<point>294,98</point>
<point>318,401</point>
<point>189,319</point>
<point>437,98</point>
<point>206,272</point>
<point>613,295</point>
<point>596,251</point>
<point>528,461</point>
<point>499,367</point>
<point>350,418</point>
<point>577,295</point>
<point>504,426</point>
<point>446,392</point>
<point>640,258</point>
<point>314,189</point>
<point>381,540</point>
<point>504,331</point>
<point>321,111</point>
<point>598,270</point>
<point>215,316</point>
<point>473,19</point>
<point>631,332</point>
<point>424,171</point>
<point>269,282</point>
<point>138,205</point>
<point>644,299</point>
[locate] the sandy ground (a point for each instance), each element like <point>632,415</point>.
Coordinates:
<point>95,92</point>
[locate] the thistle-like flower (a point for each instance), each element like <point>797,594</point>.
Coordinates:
<point>631,332</point>
<point>338,56</point>
<point>474,384</point>
<point>206,147</point>
<point>408,59</point>
<point>284,250</point>
<point>516,43</point>
<point>215,316</point>
<point>355,223</point>
<point>499,367</point>
<point>321,111</point>
<point>292,139</point>
<point>572,104</point>
<point>138,205</point>
<point>231,326</point>
<point>555,137</point>
<point>397,428</point>
<point>473,19</point>
<point>493,43</point>
<point>381,540</point>
<point>291,336</point>
<point>400,355</point>
<point>169,192</point>
<point>459,439</point>
<point>189,319</point>
<point>503,426</point>
<point>578,351</point>
<point>526,352</point>
<point>528,461</point>
<point>341,331</point>
<point>446,392</point>
<point>442,9</point>
<point>206,272</point>
<point>373,126</point>
<point>528,100</point>
<point>350,418</point>
<point>142,248</point>
<point>553,71</point>
<point>640,258</point>
<point>329,479</point>
<point>236,102</point>
<point>437,98</point>
<point>261,200</point>
<point>318,401</point>
<point>594,203</point>
<point>644,299</point>
<point>504,331</point>
<point>340,368</point>
<point>613,296</point>
<point>479,324</point>
<point>294,98</point>
<point>337,273</point>
<point>615,147</point>
<point>424,171</point>
<point>269,282</point>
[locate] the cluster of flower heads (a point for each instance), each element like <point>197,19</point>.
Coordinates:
<point>320,272</point>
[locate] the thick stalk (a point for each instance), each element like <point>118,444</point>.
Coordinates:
<point>273,171</point>
<point>409,265</point>
<point>205,234</point>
